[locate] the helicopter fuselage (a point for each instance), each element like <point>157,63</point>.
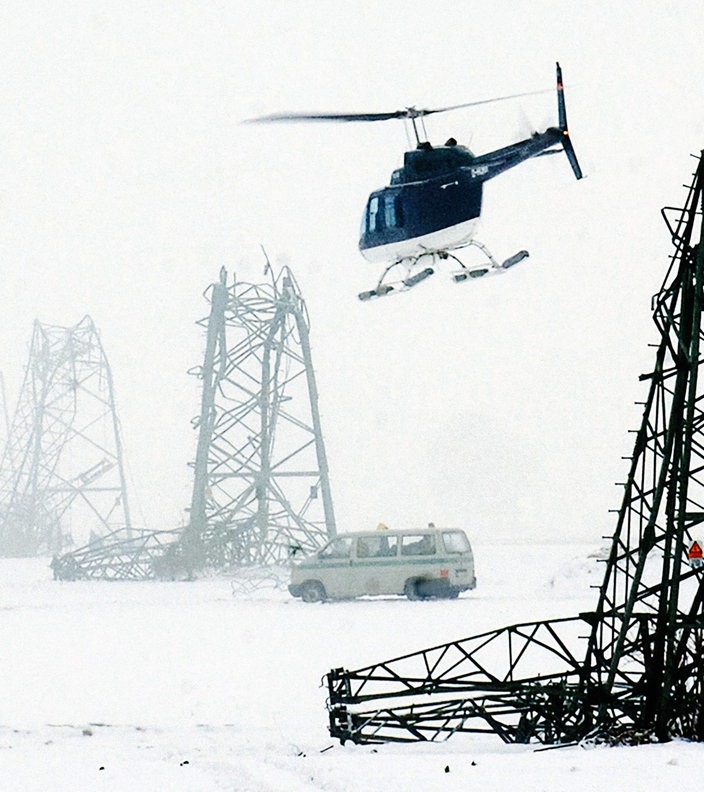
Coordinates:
<point>434,201</point>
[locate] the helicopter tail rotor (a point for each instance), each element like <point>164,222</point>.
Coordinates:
<point>562,121</point>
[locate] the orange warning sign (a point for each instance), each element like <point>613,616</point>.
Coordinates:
<point>695,552</point>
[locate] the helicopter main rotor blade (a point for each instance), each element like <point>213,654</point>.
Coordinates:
<point>275,117</point>
<point>408,112</point>
<point>482,101</point>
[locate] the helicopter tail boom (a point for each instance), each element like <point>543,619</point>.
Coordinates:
<point>562,122</point>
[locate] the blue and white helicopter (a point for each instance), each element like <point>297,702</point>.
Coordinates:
<point>431,207</point>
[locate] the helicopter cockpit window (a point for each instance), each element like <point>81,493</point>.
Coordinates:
<point>373,214</point>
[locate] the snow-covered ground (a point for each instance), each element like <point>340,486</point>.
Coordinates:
<point>196,686</point>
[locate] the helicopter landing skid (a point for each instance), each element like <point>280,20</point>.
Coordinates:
<point>467,273</point>
<point>414,274</point>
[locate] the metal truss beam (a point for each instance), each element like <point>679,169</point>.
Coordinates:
<point>501,681</point>
<point>123,556</point>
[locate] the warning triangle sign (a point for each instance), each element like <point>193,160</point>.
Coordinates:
<point>695,551</point>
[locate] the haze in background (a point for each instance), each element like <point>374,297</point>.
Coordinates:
<point>127,182</point>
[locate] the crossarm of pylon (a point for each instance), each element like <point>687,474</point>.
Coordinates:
<point>501,657</point>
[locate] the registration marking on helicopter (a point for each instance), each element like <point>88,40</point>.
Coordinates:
<point>480,170</point>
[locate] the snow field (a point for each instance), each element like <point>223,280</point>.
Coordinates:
<point>185,686</point>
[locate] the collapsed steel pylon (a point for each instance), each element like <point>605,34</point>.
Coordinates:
<point>61,475</point>
<point>261,489</point>
<point>631,670</point>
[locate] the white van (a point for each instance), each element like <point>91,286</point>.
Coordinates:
<point>420,563</point>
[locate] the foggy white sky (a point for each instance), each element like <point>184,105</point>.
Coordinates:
<point>126,182</point>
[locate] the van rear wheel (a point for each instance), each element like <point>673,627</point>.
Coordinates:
<point>410,589</point>
<point>313,591</point>
<point>420,589</point>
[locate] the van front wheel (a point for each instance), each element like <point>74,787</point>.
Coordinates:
<point>313,591</point>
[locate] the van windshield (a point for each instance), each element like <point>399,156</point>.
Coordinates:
<point>455,542</point>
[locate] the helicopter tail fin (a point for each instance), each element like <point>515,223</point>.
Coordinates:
<point>562,120</point>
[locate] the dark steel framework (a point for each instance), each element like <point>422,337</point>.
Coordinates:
<point>631,670</point>
<point>62,475</point>
<point>261,488</point>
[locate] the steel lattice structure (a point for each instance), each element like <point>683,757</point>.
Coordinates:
<point>633,669</point>
<point>261,489</point>
<point>61,474</point>
<point>261,486</point>
<point>123,555</point>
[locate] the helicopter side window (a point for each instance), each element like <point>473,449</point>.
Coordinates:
<point>393,215</point>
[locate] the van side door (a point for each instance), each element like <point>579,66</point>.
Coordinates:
<point>374,563</point>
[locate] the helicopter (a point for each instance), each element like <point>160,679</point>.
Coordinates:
<point>431,206</point>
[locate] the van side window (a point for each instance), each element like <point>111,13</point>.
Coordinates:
<point>455,542</point>
<point>338,548</point>
<point>418,544</point>
<point>376,546</point>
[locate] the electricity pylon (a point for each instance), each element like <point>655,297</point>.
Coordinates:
<point>61,476</point>
<point>645,648</point>
<point>261,489</point>
<point>633,669</point>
